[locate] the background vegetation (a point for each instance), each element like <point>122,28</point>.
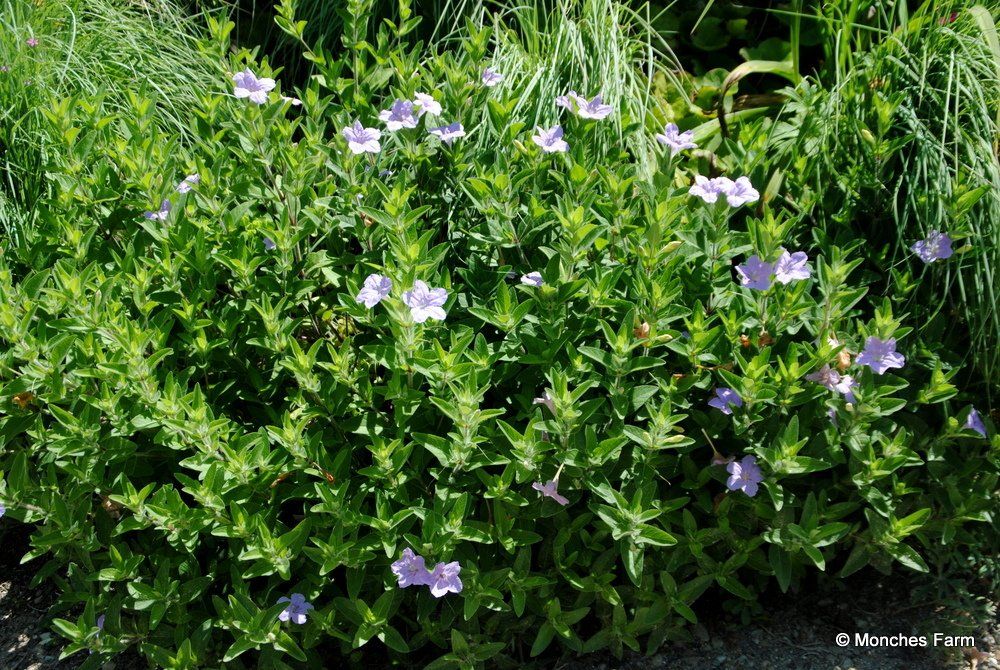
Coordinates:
<point>198,418</point>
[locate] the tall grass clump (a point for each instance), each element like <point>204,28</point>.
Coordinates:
<point>899,140</point>
<point>87,48</point>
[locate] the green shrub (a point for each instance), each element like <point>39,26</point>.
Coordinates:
<point>200,418</point>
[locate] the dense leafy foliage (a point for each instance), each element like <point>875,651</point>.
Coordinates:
<point>202,420</point>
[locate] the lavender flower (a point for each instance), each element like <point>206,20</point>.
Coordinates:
<point>444,579</point>
<point>724,397</point>
<point>297,608</point>
<point>188,183</point>
<point>295,102</point>
<point>250,87</point>
<point>570,101</point>
<point>532,279</point>
<point>448,134</point>
<point>676,140</point>
<point>425,302</point>
<point>100,622</point>
<point>3,509</point>
<point>31,42</point>
<point>845,386</point>
<point>550,140</point>
<point>593,108</point>
<point>269,244</point>
<point>548,490</point>
<point>755,273</point>
<point>709,190</point>
<point>740,192</point>
<point>744,475</point>
<point>880,355</point>
<point>546,400</point>
<point>376,288</point>
<point>411,570</point>
<point>426,104</point>
<point>936,246</point>
<point>834,381</point>
<point>792,267</point>
<point>362,140</point>
<point>975,422</point>
<point>399,116</point>
<point>163,212</point>
<point>491,77</point>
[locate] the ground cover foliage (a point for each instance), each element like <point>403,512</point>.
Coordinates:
<point>278,387</point>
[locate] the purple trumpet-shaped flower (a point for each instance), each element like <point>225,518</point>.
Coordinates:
<point>269,244</point>
<point>880,355</point>
<point>532,279</point>
<point>426,104</point>
<point>975,422</point>
<point>294,102</point>
<point>546,400</point>
<point>744,475</point>
<point>593,108</point>
<point>755,273</point>
<point>188,183</point>
<point>375,289</point>
<point>162,213</point>
<point>297,609</point>
<point>570,101</point>
<point>834,381</point>
<point>548,490</point>
<point>792,267</point>
<point>740,192</point>
<point>32,42</point>
<point>709,190</point>
<point>362,140</point>
<point>410,570</point>
<point>676,140</point>
<point>399,116</point>
<point>725,397</point>
<point>936,246</point>
<point>3,509</point>
<point>550,139</point>
<point>425,302</point>
<point>250,87</point>
<point>491,77</point>
<point>444,579</point>
<point>449,133</point>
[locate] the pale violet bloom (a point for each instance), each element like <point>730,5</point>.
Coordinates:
<point>546,400</point>
<point>100,622</point>
<point>755,273</point>
<point>724,398</point>
<point>162,213</point>
<point>449,133</point>
<point>425,302</point>
<point>3,509</point>
<point>676,140</point>
<point>709,190</point>
<point>269,244</point>
<point>444,579</point>
<point>188,183</point>
<point>410,570</point>
<point>834,381</point>
<point>740,192</point>
<point>250,87</point>
<point>426,104</point>
<point>399,116</point>
<point>362,140</point>
<point>880,355</point>
<point>32,42</point>
<point>375,290</point>
<point>593,108</point>
<point>570,101</point>
<point>792,267</point>
<point>975,422</point>
<point>295,102</point>
<point>297,609</point>
<point>550,139</point>
<point>491,77</point>
<point>532,279</point>
<point>744,475</point>
<point>936,246</point>
<point>548,490</point>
